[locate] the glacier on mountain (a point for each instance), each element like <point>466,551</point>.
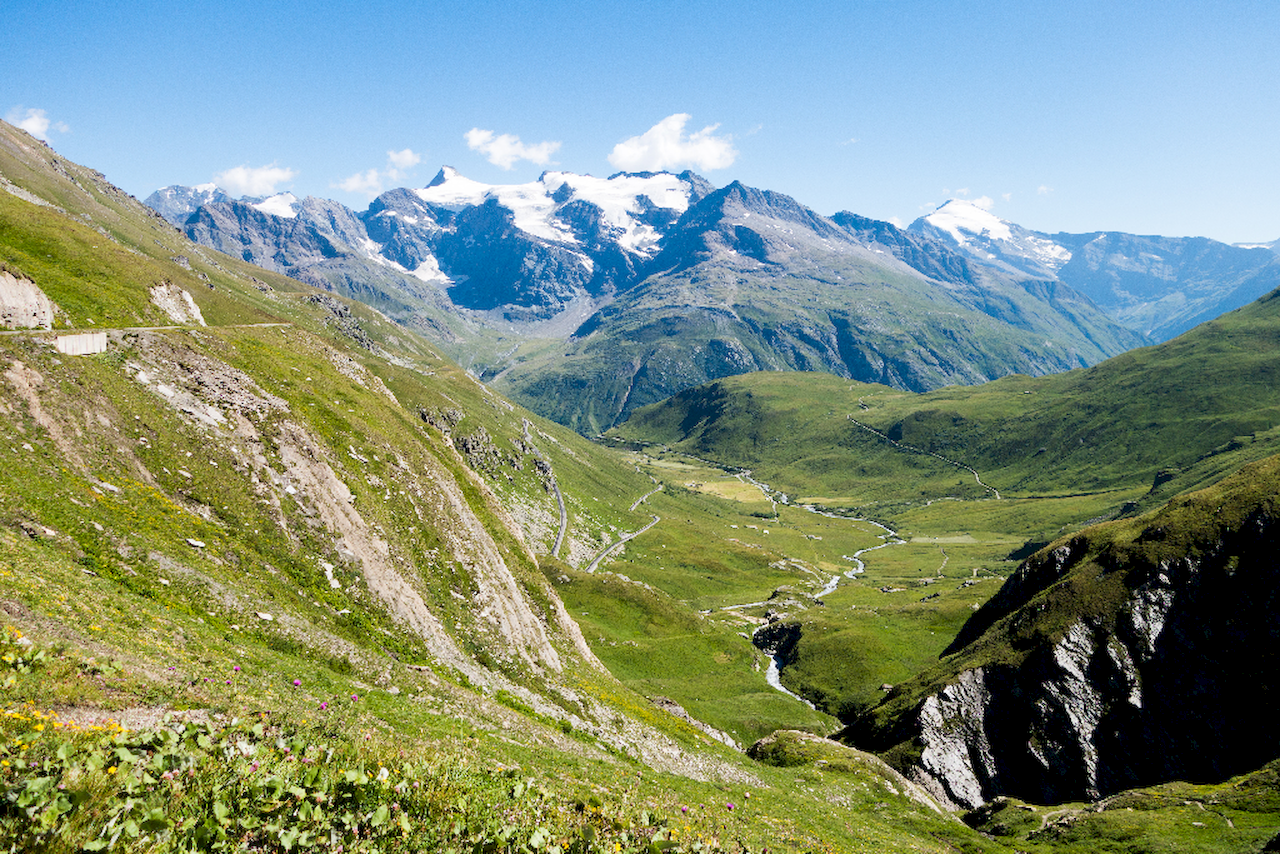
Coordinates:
<point>536,206</point>
<point>283,205</point>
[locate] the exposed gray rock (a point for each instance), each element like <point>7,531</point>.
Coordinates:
<point>177,303</point>
<point>23,305</point>
<point>1177,682</point>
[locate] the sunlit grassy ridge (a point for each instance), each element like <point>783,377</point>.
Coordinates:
<point>1192,410</point>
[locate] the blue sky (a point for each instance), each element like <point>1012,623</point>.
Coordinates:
<point>1154,118</point>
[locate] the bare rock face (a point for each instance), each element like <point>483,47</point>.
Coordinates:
<point>176,303</point>
<point>1168,673</point>
<point>23,305</point>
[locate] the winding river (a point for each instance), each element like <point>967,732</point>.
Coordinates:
<point>890,537</point>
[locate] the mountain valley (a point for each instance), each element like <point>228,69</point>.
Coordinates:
<point>278,572</point>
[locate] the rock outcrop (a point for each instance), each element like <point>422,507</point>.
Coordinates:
<point>177,303</point>
<point>23,305</point>
<point>1137,653</point>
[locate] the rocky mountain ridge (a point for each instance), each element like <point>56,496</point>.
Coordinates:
<point>750,280</point>
<point>568,260</point>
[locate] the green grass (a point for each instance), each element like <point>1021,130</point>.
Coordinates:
<point>1237,815</point>
<point>1196,407</point>
<point>660,647</point>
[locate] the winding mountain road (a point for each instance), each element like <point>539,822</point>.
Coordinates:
<point>638,501</point>
<point>595,561</point>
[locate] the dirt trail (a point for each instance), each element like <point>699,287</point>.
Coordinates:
<point>912,449</point>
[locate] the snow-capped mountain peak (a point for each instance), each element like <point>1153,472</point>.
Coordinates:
<point>175,202</point>
<point>451,191</point>
<point>974,228</point>
<point>963,219</point>
<point>536,206</point>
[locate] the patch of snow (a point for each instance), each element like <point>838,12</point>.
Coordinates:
<point>281,205</point>
<point>429,271</point>
<point>530,203</point>
<point>619,200</point>
<point>1049,253</point>
<point>535,209</point>
<point>455,192</point>
<point>967,222</point>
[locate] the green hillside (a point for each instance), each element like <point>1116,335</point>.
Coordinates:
<point>1187,411</point>
<point>973,473</point>
<point>287,579</point>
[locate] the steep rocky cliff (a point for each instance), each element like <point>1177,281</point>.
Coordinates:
<point>1136,652</point>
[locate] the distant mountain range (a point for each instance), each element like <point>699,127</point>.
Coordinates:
<point>1159,286</point>
<point>585,297</point>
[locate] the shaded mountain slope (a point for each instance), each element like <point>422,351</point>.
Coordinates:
<point>752,281</point>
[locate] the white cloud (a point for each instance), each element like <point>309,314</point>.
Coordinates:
<point>372,182</point>
<point>1008,197</point>
<point>253,181</point>
<point>666,146</point>
<point>504,150</point>
<point>35,122</point>
<point>1043,190</point>
<point>401,160</point>
<point>367,183</point>
<point>984,202</point>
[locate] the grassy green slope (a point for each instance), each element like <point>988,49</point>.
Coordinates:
<point>1061,451</point>
<point>1191,410</point>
